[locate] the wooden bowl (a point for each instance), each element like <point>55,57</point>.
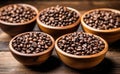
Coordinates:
<point>31,59</point>
<point>109,35</point>
<point>58,31</point>
<point>78,61</point>
<point>13,29</point>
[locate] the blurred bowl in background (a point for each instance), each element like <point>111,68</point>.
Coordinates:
<point>57,31</point>
<point>110,35</point>
<point>13,27</point>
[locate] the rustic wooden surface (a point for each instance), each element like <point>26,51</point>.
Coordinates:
<point>110,65</point>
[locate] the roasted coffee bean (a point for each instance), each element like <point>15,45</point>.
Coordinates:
<point>58,16</point>
<point>79,43</point>
<point>31,43</point>
<point>17,14</point>
<point>102,19</point>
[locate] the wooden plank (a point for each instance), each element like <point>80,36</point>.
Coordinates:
<point>9,65</point>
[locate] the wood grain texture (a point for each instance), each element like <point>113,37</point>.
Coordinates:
<point>110,65</point>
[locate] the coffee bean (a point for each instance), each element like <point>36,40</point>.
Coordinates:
<point>58,16</point>
<point>79,43</point>
<point>102,19</point>
<point>32,42</point>
<point>17,13</point>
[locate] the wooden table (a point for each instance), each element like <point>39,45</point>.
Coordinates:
<point>110,65</point>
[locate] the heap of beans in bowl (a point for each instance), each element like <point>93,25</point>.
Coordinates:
<point>103,19</point>
<point>17,13</point>
<point>58,16</point>
<point>80,43</point>
<point>32,42</point>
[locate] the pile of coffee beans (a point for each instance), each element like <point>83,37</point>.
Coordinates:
<point>32,42</point>
<point>79,43</point>
<point>103,19</point>
<point>17,13</point>
<point>58,16</point>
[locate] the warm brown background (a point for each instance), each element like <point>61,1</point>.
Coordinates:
<point>110,65</point>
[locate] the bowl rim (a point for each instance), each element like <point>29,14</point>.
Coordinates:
<point>29,55</point>
<point>97,30</point>
<point>84,56</point>
<point>22,4</point>
<point>63,27</point>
